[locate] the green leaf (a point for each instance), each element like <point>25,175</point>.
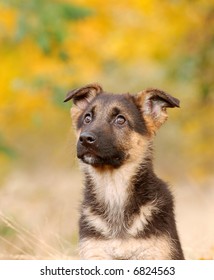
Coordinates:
<point>6,231</point>
<point>4,149</point>
<point>7,151</point>
<point>45,21</point>
<point>43,41</point>
<point>58,96</point>
<point>64,56</point>
<point>72,12</point>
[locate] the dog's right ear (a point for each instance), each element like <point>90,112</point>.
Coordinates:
<point>83,96</point>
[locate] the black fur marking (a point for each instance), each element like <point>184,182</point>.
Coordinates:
<point>148,187</point>
<point>90,200</point>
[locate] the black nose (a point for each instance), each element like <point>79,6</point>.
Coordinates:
<point>87,138</point>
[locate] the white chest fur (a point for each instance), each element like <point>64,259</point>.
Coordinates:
<point>112,189</point>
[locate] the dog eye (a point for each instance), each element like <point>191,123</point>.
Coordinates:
<point>87,118</point>
<point>120,120</point>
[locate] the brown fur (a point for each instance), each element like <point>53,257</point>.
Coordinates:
<point>127,211</point>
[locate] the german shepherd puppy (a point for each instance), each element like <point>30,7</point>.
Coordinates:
<point>127,211</point>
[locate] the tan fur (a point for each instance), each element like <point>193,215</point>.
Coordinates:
<point>98,223</point>
<point>129,249</point>
<point>138,224</point>
<point>150,125</point>
<point>138,147</point>
<point>141,220</point>
<point>75,113</point>
<point>153,124</point>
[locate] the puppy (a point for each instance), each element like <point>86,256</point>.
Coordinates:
<point>127,211</point>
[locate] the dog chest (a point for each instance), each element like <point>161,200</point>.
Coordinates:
<point>110,212</point>
<point>126,249</point>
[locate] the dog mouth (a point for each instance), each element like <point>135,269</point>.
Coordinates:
<point>100,161</point>
<point>90,159</point>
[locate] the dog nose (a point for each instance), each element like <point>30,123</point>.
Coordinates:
<point>87,138</point>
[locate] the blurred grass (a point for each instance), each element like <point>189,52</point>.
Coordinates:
<point>40,222</point>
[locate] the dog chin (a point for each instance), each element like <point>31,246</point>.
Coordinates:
<point>89,159</point>
<point>97,161</point>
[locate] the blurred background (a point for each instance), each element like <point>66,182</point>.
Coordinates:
<point>48,47</point>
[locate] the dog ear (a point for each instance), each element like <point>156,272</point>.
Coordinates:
<point>84,95</point>
<point>153,104</point>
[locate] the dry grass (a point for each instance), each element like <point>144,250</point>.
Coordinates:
<point>39,214</point>
<point>29,241</point>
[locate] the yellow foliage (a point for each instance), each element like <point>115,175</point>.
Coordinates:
<point>121,45</point>
<point>8,20</point>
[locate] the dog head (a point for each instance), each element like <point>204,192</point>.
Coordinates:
<point>112,129</point>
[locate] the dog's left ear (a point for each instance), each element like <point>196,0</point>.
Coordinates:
<point>83,96</point>
<point>153,104</point>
